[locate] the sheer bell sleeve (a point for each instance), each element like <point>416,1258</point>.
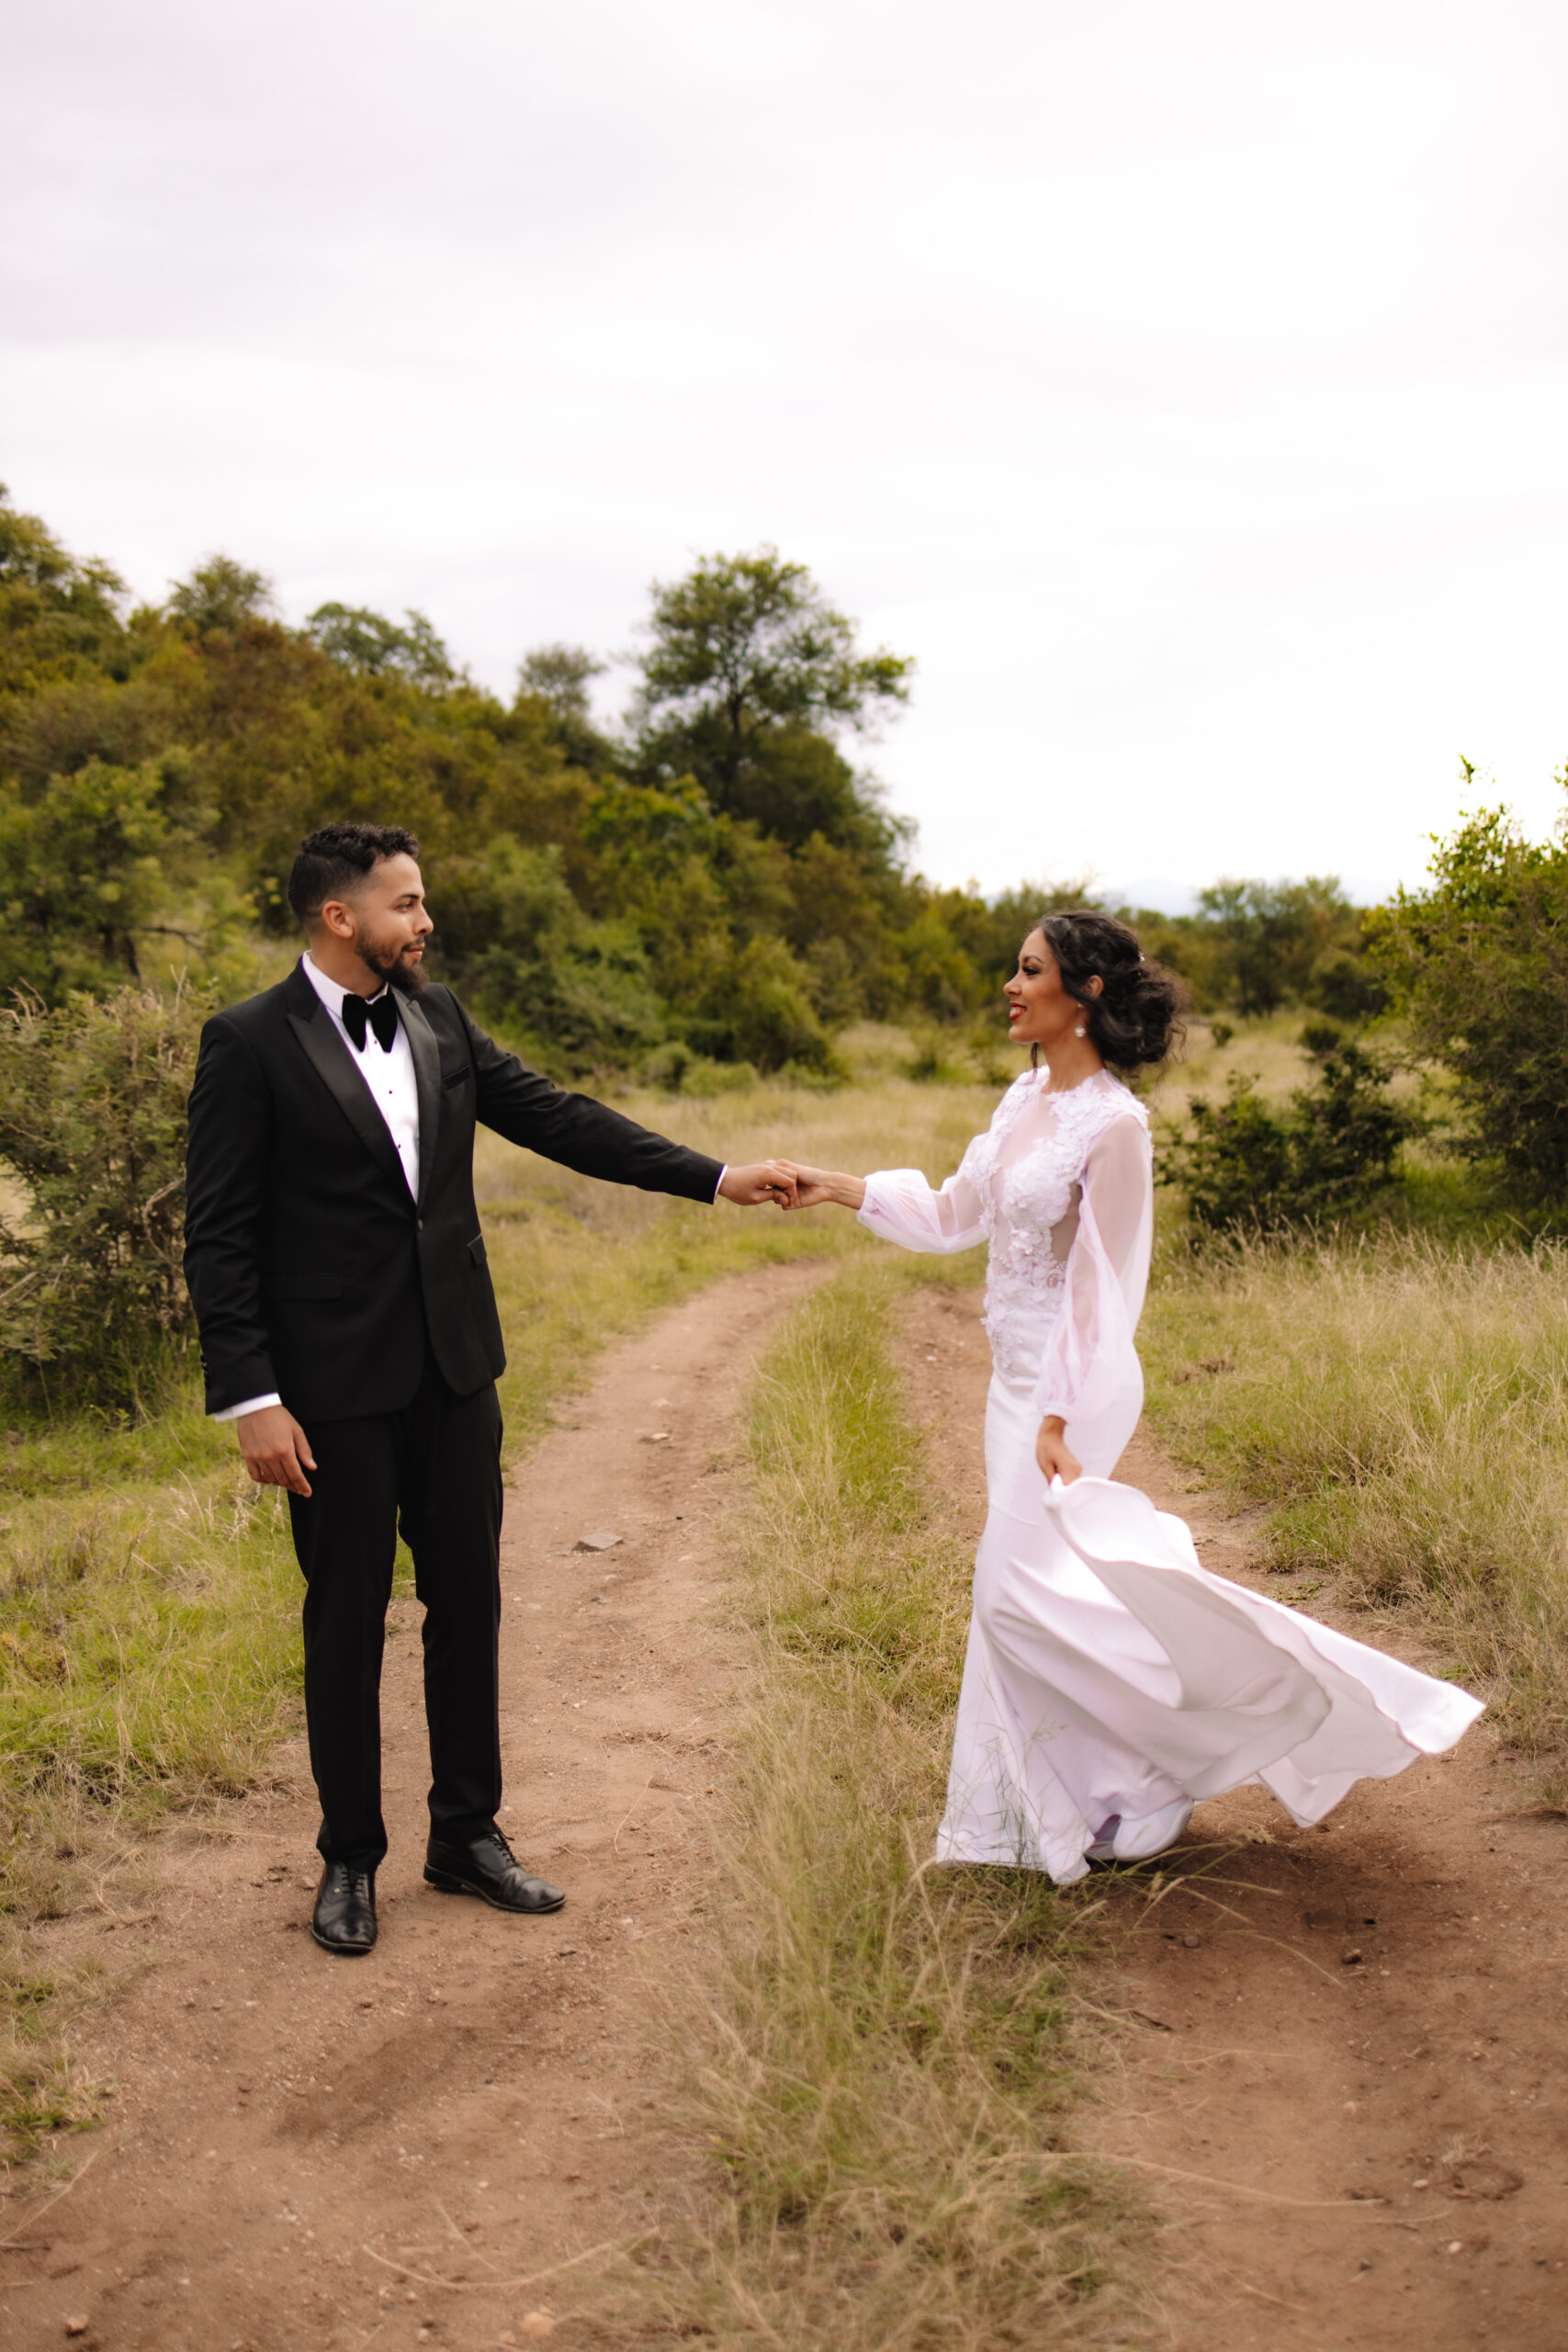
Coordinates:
<point>1090,1373</point>
<point>901,1207</point>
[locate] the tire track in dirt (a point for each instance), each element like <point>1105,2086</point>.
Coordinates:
<point>1370,2018</point>
<point>299,2144</point>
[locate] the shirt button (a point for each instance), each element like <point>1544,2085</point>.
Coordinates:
<point>419,1221</point>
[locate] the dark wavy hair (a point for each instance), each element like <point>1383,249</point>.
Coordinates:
<point>335,858</point>
<point>1135,1021</point>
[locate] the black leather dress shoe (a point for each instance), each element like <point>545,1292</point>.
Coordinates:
<point>345,1918</point>
<point>487,1866</point>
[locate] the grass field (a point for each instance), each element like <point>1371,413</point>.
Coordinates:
<point>1401,1403</point>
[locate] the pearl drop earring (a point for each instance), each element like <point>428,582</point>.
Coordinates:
<point>1078,1032</point>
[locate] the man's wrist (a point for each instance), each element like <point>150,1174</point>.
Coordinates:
<point>251,1405</point>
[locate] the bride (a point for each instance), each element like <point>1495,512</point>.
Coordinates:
<point>1109,1681</point>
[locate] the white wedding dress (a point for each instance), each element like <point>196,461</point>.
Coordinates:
<point>1111,1681</point>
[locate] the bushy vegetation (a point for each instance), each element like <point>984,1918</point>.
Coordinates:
<point>1250,1163</point>
<point>1478,962</point>
<point>93,1123</point>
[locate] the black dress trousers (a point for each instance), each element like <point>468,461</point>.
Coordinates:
<point>433,1470</point>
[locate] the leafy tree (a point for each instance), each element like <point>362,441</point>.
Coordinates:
<point>1268,935</point>
<point>559,675</point>
<point>93,1121</point>
<point>749,671</point>
<point>368,642</point>
<point>1478,961</point>
<point>555,677</point>
<point>220,595</point>
<point>58,615</point>
<point>535,963</point>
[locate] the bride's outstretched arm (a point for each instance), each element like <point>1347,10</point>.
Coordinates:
<point>816,1188</point>
<point>898,1204</point>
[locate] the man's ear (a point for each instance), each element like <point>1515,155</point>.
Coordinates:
<point>336,919</point>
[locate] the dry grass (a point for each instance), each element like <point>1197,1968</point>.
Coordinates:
<point>884,2053</point>
<point>1403,1406</point>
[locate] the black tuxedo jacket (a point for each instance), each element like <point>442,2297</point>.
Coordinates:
<point>312,1270</point>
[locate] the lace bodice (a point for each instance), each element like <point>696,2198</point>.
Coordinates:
<point>1060,1187</point>
<point>1027,1172</point>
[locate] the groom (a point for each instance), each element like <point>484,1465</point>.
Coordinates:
<point>349,1330</point>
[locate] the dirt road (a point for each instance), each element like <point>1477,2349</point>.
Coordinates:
<point>298,2144</point>
<point>1347,2085</point>
<point>1342,2085</point>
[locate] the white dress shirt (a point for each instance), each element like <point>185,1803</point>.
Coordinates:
<point>394,1090</point>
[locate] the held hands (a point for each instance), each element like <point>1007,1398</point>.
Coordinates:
<point>764,1180</point>
<point>276,1449</point>
<point>1051,1451</point>
<point>816,1188</point>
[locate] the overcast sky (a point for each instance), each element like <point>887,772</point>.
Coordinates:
<point>1184,387</point>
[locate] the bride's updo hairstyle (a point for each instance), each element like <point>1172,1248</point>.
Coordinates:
<point>1137,1019</point>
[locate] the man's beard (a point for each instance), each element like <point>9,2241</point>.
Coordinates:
<point>388,964</point>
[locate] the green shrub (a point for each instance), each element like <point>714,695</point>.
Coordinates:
<point>93,1123</point>
<point>1479,962</point>
<point>1245,1163</point>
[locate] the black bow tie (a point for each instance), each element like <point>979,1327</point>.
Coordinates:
<point>359,1018</point>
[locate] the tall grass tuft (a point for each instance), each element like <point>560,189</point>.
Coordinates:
<point>884,2052</point>
<point>1402,1407</point>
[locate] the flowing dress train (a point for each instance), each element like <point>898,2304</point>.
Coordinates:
<point>1111,1681</point>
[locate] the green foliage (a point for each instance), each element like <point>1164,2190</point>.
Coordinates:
<point>220,595</point>
<point>722,880</point>
<point>537,966</point>
<point>368,642</point>
<point>748,668</point>
<point>57,612</point>
<point>1248,1164</point>
<point>1267,937</point>
<point>93,1123</point>
<point>1478,962</point>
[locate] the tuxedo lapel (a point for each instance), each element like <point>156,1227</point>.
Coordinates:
<point>336,1067</point>
<point>427,1076</point>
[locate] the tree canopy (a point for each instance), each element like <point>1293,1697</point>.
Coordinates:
<point>749,675</point>
<point>713,883</point>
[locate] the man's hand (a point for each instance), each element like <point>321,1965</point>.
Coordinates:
<point>766,1179</point>
<point>1051,1451</point>
<point>276,1449</point>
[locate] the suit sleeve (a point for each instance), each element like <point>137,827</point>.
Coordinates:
<point>579,1132</point>
<point>226,1157</point>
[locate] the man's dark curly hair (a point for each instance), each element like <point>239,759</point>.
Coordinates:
<point>1136,1017</point>
<point>335,858</point>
